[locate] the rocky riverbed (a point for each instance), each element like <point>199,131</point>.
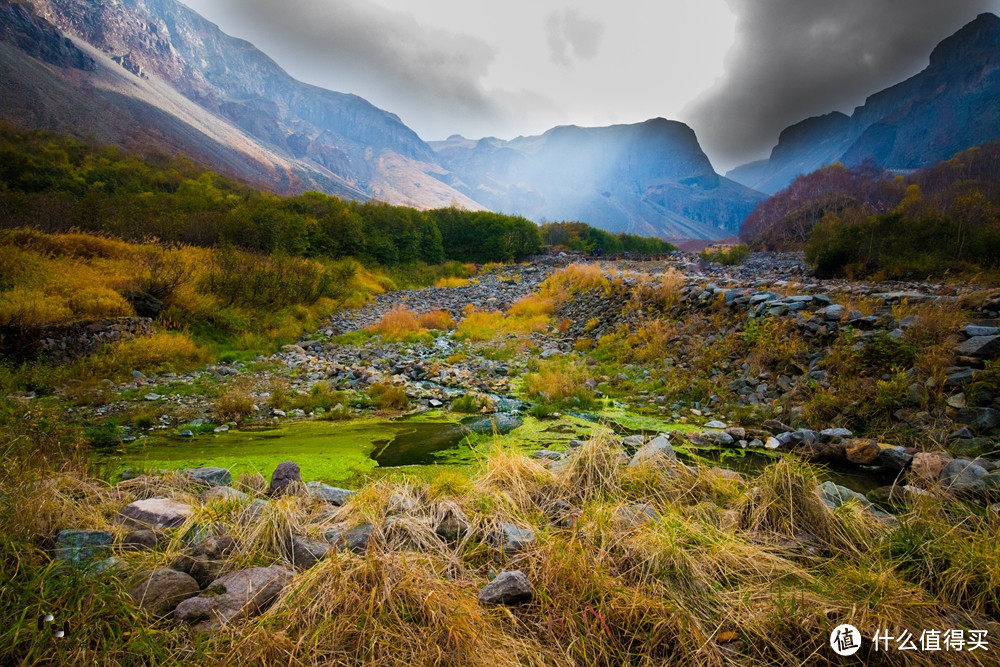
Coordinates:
<point>671,430</point>
<point>769,290</point>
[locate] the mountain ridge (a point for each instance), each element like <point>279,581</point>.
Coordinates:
<point>649,178</point>
<point>201,92</point>
<point>943,109</point>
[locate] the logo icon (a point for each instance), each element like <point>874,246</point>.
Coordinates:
<point>57,632</point>
<point>845,640</point>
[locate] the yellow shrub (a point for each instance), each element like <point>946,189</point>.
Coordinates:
<point>26,306</point>
<point>437,319</point>
<point>384,396</point>
<point>99,302</point>
<point>576,278</point>
<point>669,288</point>
<point>532,306</point>
<point>479,324</point>
<point>75,244</point>
<point>160,352</point>
<point>397,324</point>
<point>557,379</point>
<point>236,402</point>
<point>650,342</point>
<point>452,282</point>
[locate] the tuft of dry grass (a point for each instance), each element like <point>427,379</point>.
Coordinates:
<point>236,402</point>
<point>575,278</point>
<point>385,396</point>
<point>400,323</point>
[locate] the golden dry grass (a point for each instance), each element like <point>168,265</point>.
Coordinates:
<point>719,572</point>
<point>436,319</point>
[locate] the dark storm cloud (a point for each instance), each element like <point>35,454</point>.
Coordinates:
<point>798,58</point>
<point>353,41</point>
<point>570,34</point>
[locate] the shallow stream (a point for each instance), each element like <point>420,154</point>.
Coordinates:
<point>422,445</point>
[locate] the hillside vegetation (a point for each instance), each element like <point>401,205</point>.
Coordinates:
<point>58,184</point>
<point>582,237</point>
<point>865,221</point>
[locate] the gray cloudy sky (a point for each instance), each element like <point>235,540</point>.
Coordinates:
<point>738,71</point>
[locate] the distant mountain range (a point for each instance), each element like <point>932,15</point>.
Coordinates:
<point>946,108</point>
<point>650,179</point>
<point>153,75</point>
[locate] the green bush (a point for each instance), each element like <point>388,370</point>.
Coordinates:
<point>103,436</point>
<point>735,255</point>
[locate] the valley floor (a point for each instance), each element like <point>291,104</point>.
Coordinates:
<point>560,462</point>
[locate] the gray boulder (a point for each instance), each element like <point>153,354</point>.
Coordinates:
<point>833,313</point>
<point>509,588</point>
<point>636,515</point>
<point>209,476</point>
<point>453,526</point>
<point>234,596</point>
<point>894,459</point>
<point>285,474</point>
<point>965,478</point>
<point>141,540</point>
<point>160,591</point>
<point>305,552</point>
<point>223,494</point>
<point>981,347</point>
<point>204,560</point>
<point>155,513</point>
<point>835,434</point>
<point>514,539</point>
<point>330,494</point>
<point>979,419</point>
<point>356,539</point>
<point>633,441</point>
<point>546,454</point>
<point>80,547</point>
<point>976,331</point>
<point>657,449</point>
<point>835,495</point>
<point>501,423</point>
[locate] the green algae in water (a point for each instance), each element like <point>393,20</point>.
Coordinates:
<point>329,451</point>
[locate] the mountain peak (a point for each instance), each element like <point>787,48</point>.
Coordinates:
<point>980,34</point>
<point>947,107</point>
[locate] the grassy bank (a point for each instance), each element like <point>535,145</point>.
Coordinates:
<point>208,304</point>
<point>632,565</point>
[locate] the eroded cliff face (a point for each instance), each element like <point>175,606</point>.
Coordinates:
<point>232,78</point>
<point>39,38</point>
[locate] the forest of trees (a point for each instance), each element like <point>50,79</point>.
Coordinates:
<point>55,184</point>
<point>584,238</point>
<point>866,221</point>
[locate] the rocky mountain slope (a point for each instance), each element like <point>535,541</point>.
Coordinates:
<point>946,108</point>
<point>152,74</point>
<point>283,132</point>
<point>648,178</point>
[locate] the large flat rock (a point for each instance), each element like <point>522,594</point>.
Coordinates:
<point>155,513</point>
